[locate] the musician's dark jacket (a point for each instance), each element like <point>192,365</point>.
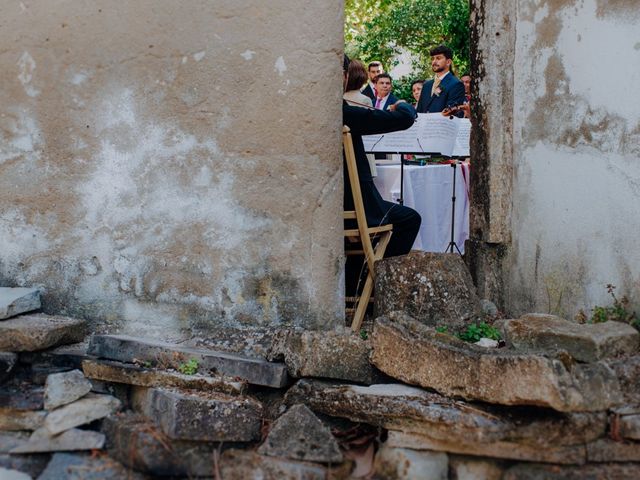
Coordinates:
<point>452,94</point>
<point>406,221</point>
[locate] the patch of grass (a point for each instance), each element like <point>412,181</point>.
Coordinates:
<point>442,329</point>
<point>618,312</point>
<point>363,334</point>
<point>475,331</point>
<point>189,368</point>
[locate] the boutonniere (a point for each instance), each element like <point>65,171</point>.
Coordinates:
<point>438,91</point>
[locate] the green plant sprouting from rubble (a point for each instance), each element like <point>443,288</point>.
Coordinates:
<point>189,368</point>
<point>475,331</point>
<point>618,312</point>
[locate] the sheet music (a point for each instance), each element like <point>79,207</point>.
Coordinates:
<point>461,146</point>
<point>431,133</point>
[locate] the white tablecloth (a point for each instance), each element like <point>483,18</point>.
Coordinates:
<point>428,189</point>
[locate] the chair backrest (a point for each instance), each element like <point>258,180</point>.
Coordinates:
<point>354,182</point>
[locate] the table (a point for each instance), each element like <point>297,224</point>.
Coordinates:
<point>428,190</point>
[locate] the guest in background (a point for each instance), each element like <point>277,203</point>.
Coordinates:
<point>384,97</point>
<point>374,69</point>
<point>416,88</point>
<point>445,90</point>
<point>466,81</point>
<point>357,78</point>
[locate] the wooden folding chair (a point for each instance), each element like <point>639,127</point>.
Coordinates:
<point>360,240</point>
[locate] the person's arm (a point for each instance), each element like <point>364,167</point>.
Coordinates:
<point>363,121</point>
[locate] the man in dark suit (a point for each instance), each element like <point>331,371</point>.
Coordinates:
<point>365,121</point>
<point>384,98</point>
<point>444,91</point>
<point>374,69</point>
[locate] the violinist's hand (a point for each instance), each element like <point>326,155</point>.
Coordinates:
<point>392,108</point>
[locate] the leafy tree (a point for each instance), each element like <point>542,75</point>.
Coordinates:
<point>380,30</point>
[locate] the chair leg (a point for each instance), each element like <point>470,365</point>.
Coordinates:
<point>363,303</point>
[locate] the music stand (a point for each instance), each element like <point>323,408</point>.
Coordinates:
<point>453,243</point>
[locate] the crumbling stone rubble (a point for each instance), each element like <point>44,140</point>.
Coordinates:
<point>404,400</point>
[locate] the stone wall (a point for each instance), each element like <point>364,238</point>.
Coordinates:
<point>563,182</point>
<point>169,166</point>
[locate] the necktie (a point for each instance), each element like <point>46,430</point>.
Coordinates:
<point>378,103</point>
<point>436,84</point>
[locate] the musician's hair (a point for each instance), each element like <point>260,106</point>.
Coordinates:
<point>442,50</point>
<point>357,75</point>
<point>345,63</point>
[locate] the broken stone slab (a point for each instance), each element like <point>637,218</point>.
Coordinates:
<point>63,388</point>
<point>204,416</point>
<point>8,360</point>
<point>607,450</point>
<point>299,435</point>
<point>137,443</point>
<point>406,464</point>
<point>434,288</point>
<point>130,374</point>
<point>14,301</point>
<point>21,395</point>
<point>69,440</point>
<point>337,355</point>
<point>127,349</point>
<point>609,471</point>
<point>562,454</point>
<point>79,466</point>
<point>411,352</point>
<point>86,410</point>
<point>12,419</point>
<point>28,333</point>
<point>8,474</point>
<point>629,426</point>
<point>32,464</point>
<point>243,464</point>
<point>443,420</point>
<point>584,342</point>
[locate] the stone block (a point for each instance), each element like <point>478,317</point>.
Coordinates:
<point>9,474</point>
<point>242,465</point>
<point>28,333</point>
<point>79,466</point>
<point>21,395</point>
<point>158,354</point>
<point>130,374</point>
<point>299,435</point>
<point>341,355</point>
<point>627,370</point>
<point>7,362</point>
<point>435,422</point>
<point>12,419</point>
<point>629,426</point>
<point>70,440</point>
<point>63,388</point>
<point>434,288</point>
<point>137,443</point>
<point>607,450</point>
<point>609,471</point>
<point>585,343</point>
<point>405,464</point>
<point>470,468</point>
<point>205,416</point>
<point>32,465</point>
<point>512,450</point>
<point>14,301</point>
<point>414,353</point>
<point>86,410</point>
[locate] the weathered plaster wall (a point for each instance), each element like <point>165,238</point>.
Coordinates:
<point>576,155</point>
<point>166,166</point>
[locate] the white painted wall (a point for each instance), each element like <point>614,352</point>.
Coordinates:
<point>576,188</point>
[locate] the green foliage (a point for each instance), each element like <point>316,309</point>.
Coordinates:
<point>189,368</point>
<point>618,312</point>
<point>380,30</point>
<point>363,334</point>
<point>474,332</point>
<point>402,89</point>
<point>442,329</point>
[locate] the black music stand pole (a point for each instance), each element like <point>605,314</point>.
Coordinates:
<point>453,243</point>
<point>401,199</point>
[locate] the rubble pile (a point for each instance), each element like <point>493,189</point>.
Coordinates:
<point>403,399</point>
